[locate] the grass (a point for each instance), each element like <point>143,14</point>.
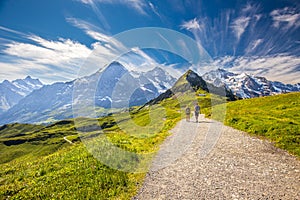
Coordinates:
<point>40,164</point>
<point>276,118</point>
<point>70,173</point>
<point>27,141</point>
<point>37,163</point>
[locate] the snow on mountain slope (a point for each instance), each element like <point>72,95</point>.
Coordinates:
<point>248,86</point>
<point>12,92</point>
<point>160,79</point>
<point>114,86</point>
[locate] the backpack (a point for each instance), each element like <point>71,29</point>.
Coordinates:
<point>197,109</point>
<point>187,111</point>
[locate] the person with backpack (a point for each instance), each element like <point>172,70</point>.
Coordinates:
<point>188,113</point>
<point>197,111</point>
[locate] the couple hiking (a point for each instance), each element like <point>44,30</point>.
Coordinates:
<point>188,112</point>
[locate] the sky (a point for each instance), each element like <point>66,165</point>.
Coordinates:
<point>60,40</point>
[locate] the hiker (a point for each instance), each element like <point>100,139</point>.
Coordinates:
<point>188,113</point>
<point>197,111</point>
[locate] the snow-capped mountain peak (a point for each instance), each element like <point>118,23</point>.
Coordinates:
<point>247,85</point>
<point>12,92</point>
<point>113,86</point>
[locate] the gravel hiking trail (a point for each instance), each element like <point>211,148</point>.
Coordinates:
<point>66,139</point>
<point>238,166</point>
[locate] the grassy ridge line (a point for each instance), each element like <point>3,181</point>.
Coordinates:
<point>276,118</point>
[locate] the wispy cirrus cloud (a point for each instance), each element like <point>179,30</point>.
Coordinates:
<point>62,59</point>
<point>191,25</point>
<point>94,32</point>
<point>253,45</point>
<point>138,5</point>
<point>97,11</point>
<point>51,60</point>
<point>198,29</point>
<point>288,17</point>
<point>154,9</point>
<point>222,34</point>
<point>239,26</point>
<point>247,18</point>
<point>2,28</point>
<point>132,58</point>
<point>59,59</point>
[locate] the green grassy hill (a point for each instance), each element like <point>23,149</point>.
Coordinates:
<point>27,141</point>
<point>36,162</point>
<point>276,118</point>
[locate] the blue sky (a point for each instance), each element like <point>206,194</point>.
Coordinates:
<point>52,40</point>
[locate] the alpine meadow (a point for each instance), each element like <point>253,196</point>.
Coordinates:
<point>149,99</point>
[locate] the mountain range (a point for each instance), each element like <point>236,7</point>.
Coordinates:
<point>114,86</point>
<point>12,92</point>
<point>29,101</point>
<point>247,85</point>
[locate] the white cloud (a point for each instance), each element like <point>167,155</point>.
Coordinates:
<point>104,51</point>
<point>223,61</point>
<point>138,5</point>
<point>90,29</point>
<point>154,9</point>
<point>95,33</point>
<point>247,18</point>
<point>257,17</point>
<point>288,16</point>
<point>137,60</point>
<point>239,26</point>
<point>191,25</point>
<point>198,28</point>
<point>63,52</point>
<point>21,68</point>
<point>110,48</point>
<point>256,43</point>
<point>96,10</point>
<point>253,45</point>
<point>58,59</point>
<point>249,7</point>
<point>65,59</point>
<point>11,30</point>
<point>284,68</point>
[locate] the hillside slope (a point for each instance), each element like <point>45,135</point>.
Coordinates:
<point>191,84</point>
<point>276,118</point>
<point>36,161</point>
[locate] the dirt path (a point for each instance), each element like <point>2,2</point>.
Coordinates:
<point>237,167</point>
<point>66,139</point>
